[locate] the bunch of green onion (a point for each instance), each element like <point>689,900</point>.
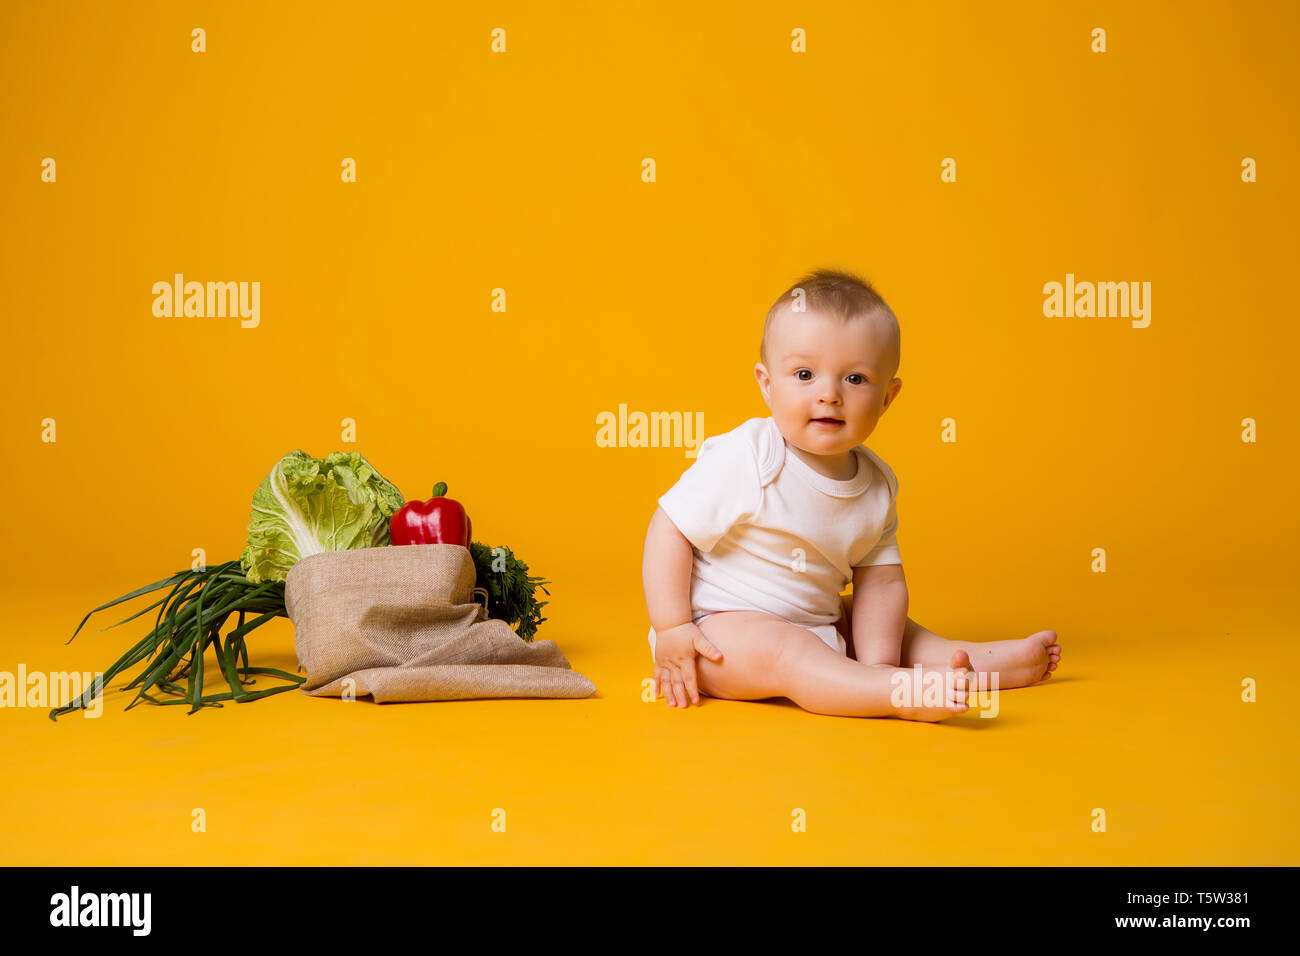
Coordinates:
<point>190,618</point>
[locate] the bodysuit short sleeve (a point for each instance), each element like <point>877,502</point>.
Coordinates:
<point>886,550</point>
<point>719,490</point>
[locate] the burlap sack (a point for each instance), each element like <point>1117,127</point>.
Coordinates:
<point>400,621</point>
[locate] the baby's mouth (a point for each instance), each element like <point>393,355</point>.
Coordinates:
<point>827,421</point>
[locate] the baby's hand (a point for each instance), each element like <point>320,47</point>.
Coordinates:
<point>675,651</point>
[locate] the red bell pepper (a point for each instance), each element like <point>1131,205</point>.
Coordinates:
<point>440,520</point>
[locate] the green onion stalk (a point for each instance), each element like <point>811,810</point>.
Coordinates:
<point>190,619</point>
<point>192,614</point>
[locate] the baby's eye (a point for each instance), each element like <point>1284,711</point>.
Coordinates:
<point>861,379</point>
<point>799,374</point>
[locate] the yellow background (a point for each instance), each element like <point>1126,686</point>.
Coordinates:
<point>522,171</point>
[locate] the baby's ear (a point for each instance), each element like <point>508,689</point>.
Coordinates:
<point>895,387</point>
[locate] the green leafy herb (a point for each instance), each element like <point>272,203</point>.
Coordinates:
<point>511,591</point>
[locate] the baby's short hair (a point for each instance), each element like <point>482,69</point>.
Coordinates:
<point>833,292</point>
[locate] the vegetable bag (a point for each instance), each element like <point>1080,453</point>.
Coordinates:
<point>400,623</point>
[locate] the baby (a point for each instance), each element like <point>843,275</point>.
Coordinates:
<point>747,554</point>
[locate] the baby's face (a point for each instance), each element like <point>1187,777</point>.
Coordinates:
<point>820,368</point>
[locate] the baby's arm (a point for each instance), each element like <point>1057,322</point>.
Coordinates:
<point>666,574</point>
<point>879,614</point>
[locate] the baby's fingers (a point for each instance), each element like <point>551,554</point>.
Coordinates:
<point>666,684</point>
<point>691,688</point>
<point>706,647</point>
<point>679,691</point>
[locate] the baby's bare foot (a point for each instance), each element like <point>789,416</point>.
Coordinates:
<point>956,684</point>
<point>1017,663</point>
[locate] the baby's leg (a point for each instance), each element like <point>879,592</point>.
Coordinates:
<point>764,656</point>
<point>1016,663</point>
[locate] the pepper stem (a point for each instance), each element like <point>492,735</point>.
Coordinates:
<point>440,489</point>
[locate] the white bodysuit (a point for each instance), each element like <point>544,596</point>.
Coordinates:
<point>770,534</point>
